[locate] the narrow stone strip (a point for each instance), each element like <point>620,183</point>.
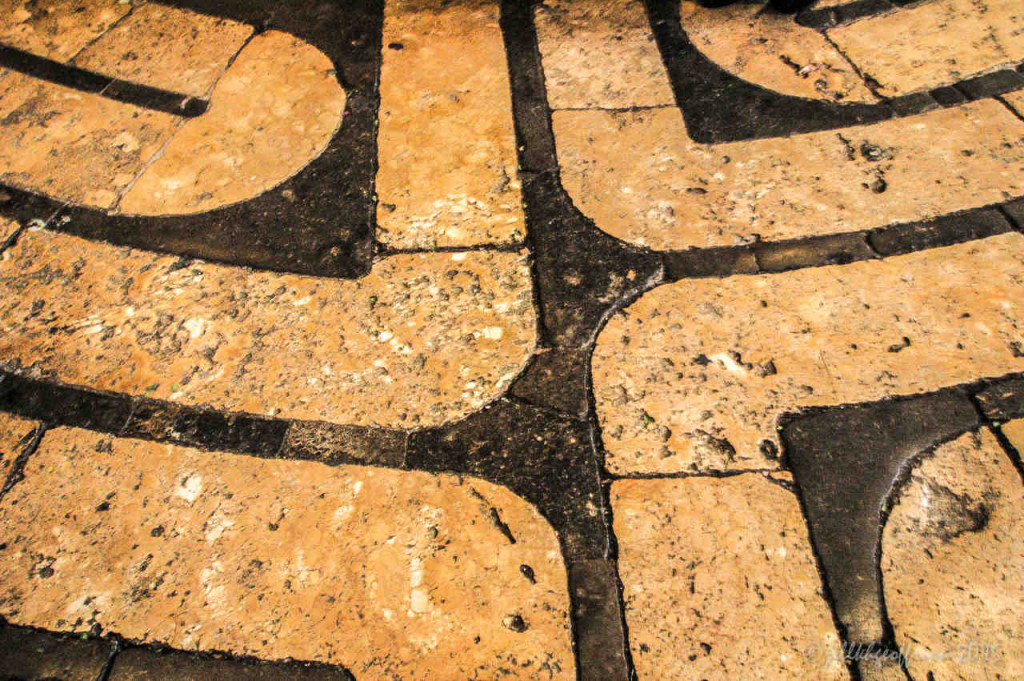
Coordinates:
<point>694,375</point>
<point>389,573</point>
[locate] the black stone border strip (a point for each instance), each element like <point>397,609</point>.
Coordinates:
<point>136,94</point>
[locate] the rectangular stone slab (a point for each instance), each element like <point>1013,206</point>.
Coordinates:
<point>393,574</point>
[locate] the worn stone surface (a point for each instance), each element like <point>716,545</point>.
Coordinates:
<point>167,48</point>
<point>694,375</point>
<point>73,145</point>
<point>1014,432</point>
<point>393,574</point>
<point>139,664</point>
<point>719,581</point>
<point>15,434</point>
<point>57,29</point>
<point>600,54</point>
<point>7,229</point>
<point>423,339</point>
<point>274,110</point>
<point>911,49</point>
<point>27,655</point>
<point>447,151</point>
<point>771,50</point>
<point>953,560</point>
<point>640,179</point>
<point>1016,100</point>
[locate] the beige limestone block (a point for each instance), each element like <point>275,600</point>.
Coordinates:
<point>934,43</point>
<point>641,179</point>
<point>274,110</point>
<point>14,437</point>
<point>7,229</point>
<point>448,166</point>
<point>167,48</point>
<point>953,563</point>
<point>772,50</point>
<point>720,582</point>
<point>1016,101</point>
<point>1014,431</point>
<point>393,574</point>
<point>600,54</point>
<point>57,29</point>
<point>421,340</point>
<point>71,145</point>
<point>694,375</point>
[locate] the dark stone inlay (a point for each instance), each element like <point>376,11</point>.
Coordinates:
<point>942,231</point>
<point>556,379</point>
<point>992,84</point>
<point>320,221</point>
<point>829,17</point>
<point>155,664</point>
<point>602,647</point>
<point>1002,401</point>
<point>32,655</point>
<point>144,96</point>
<point>832,249</point>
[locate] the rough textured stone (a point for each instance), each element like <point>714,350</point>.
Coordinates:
<point>275,109</point>
<point>953,560</point>
<point>27,655</point>
<point>14,437</point>
<point>422,339</point>
<point>1014,431</point>
<point>447,173</point>
<point>600,54</point>
<point>640,179</point>
<point>167,48</point>
<point>7,229</point>
<point>57,29</point>
<point>911,49</point>
<point>73,145</point>
<point>771,50</point>
<point>393,574</point>
<point>720,582</point>
<point>694,375</point>
<point>1016,100</point>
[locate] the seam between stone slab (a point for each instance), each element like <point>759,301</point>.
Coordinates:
<point>17,472</point>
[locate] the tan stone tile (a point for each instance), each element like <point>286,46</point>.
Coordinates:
<point>168,48</point>
<point>600,54</point>
<point>71,145</point>
<point>1014,431</point>
<point>7,229</point>
<point>953,563</point>
<point>720,582</point>
<point>639,177</point>
<point>448,167</point>
<point>934,43</point>
<point>421,340</point>
<point>694,375</point>
<point>57,29</point>
<point>1016,101</point>
<point>274,110</point>
<point>771,50</point>
<point>394,574</point>
<point>14,436</point>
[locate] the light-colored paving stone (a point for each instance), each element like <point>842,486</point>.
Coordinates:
<point>934,43</point>
<point>421,340</point>
<point>274,110</point>
<point>168,48</point>
<point>720,583</point>
<point>57,29</point>
<point>770,49</point>
<point>447,151</point>
<point>71,145</point>
<point>600,54</point>
<point>7,229</point>
<point>393,574</point>
<point>694,375</point>
<point>641,179</point>
<point>1014,431</point>
<point>1016,101</point>
<point>14,434</point>
<point>953,563</point>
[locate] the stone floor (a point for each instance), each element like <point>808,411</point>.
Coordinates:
<point>593,339</point>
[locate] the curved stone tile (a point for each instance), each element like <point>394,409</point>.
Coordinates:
<point>422,340</point>
<point>167,48</point>
<point>934,43</point>
<point>393,574</point>
<point>772,50</point>
<point>14,433</point>
<point>694,375</point>
<point>448,167</point>
<point>953,563</point>
<point>599,54</point>
<point>57,29</point>
<point>720,582</point>
<point>274,110</point>
<point>641,179</point>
